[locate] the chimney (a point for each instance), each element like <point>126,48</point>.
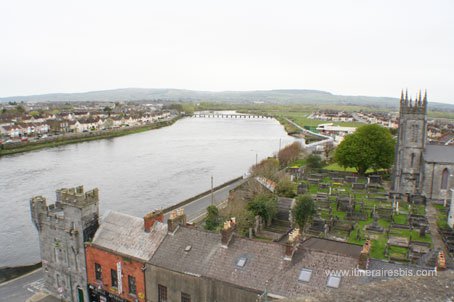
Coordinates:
<point>227,232</point>
<point>150,219</point>
<point>292,243</point>
<point>363,261</point>
<point>177,218</point>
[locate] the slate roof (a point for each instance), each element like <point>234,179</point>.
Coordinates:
<point>264,261</point>
<point>285,282</point>
<point>439,288</point>
<point>439,154</point>
<point>124,234</point>
<point>172,255</point>
<point>332,246</point>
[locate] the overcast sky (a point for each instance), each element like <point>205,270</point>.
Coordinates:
<point>345,47</point>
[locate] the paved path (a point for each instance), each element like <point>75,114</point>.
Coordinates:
<point>197,208</point>
<point>22,288</point>
<point>432,218</point>
<point>431,214</point>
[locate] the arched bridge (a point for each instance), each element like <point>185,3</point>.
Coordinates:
<point>230,115</point>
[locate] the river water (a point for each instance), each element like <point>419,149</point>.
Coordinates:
<point>135,173</point>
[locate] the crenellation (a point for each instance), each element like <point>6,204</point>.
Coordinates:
<point>77,196</point>
<point>63,229</point>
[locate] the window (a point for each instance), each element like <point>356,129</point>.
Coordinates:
<point>132,285</point>
<point>412,159</point>
<point>162,293</point>
<point>185,297</point>
<point>444,179</point>
<point>113,276</point>
<point>333,281</point>
<point>98,271</point>
<point>305,275</point>
<point>241,262</point>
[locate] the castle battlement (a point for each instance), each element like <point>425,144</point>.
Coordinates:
<point>77,196</point>
<point>409,106</point>
<point>63,228</point>
<point>66,197</point>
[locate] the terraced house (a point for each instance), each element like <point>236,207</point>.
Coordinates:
<point>117,256</point>
<point>196,265</point>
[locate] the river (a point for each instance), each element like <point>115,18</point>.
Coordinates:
<point>134,173</point>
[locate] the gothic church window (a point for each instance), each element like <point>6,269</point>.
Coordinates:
<point>444,179</point>
<point>412,159</point>
<point>414,133</point>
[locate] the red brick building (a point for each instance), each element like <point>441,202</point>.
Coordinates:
<point>117,255</point>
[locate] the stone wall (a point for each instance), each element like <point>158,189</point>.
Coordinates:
<point>201,289</point>
<point>61,227</point>
<point>432,180</point>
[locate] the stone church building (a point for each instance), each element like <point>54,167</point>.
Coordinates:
<point>420,168</point>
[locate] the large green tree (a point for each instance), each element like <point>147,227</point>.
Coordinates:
<point>370,147</point>
<point>265,206</point>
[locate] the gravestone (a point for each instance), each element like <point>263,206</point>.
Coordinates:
<point>337,179</point>
<point>417,199</point>
<point>351,179</point>
<point>323,185</point>
<point>375,179</point>
<point>375,227</point>
<point>358,186</point>
<point>302,188</point>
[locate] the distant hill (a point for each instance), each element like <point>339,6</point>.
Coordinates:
<point>283,96</point>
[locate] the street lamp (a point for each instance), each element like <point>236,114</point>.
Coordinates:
<point>256,156</point>
<point>212,194</point>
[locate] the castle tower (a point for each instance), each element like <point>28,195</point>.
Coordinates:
<point>63,228</point>
<point>411,142</point>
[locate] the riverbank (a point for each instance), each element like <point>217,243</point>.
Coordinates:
<point>9,273</point>
<point>81,137</point>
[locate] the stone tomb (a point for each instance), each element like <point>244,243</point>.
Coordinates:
<point>343,203</point>
<point>359,186</point>
<point>303,188</point>
<point>351,179</point>
<point>374,226</point>
<point>417,221</point>
<point>374,179</point>
<point>385,213</point>
<point>317,226</point>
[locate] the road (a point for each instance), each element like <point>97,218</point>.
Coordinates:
<point>197,208</point>
<point>22,288</point>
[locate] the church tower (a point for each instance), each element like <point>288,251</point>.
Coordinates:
<point>411,142</point>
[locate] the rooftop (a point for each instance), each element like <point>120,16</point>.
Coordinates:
<point>124,234</point>
<point>257,264</point>
<point>433,288</point>
<point>439,154</point>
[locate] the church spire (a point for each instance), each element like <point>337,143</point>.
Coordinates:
<point>424,101</point>
<point>406,97</point>
<point>401,98</point>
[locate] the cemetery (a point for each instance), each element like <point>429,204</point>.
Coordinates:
<point>355,209</point>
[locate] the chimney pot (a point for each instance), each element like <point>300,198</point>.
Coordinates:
<point>227,231</point>
<point>176,219</point>
<point>150,219</point>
